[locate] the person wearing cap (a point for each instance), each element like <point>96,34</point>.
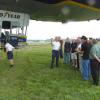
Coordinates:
<point>85,50</point>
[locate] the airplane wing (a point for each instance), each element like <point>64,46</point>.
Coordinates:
<point>55,10</point>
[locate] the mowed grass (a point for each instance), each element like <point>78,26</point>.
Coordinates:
<point>32,79</point>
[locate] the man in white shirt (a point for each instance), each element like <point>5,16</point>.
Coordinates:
<point>9,50</point>
<point>55,51</point>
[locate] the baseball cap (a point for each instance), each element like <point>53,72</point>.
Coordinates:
<point>84,37</point>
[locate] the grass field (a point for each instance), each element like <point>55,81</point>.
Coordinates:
<point>32,79</point>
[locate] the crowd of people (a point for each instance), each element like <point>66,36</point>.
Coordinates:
<point>81,53</point>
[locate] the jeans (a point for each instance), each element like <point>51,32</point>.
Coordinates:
<point>55,54</point>
<point>95,70</point>
<point>86,69</point>
<point>66,58</point>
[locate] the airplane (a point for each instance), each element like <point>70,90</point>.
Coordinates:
<point>55,10</point>
<point>48,10</point>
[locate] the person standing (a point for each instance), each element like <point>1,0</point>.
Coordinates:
<point>61,47</point>
<point>74,53</point>
<point>79,55</point>
<point>3,40</point>
<point>67,50</point>
<point>55,51</point>
<point>61,50</point>
<point>9,50</point>
<point>85,49</point>
<point>95,62</point>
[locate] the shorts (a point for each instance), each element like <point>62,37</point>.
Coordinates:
<point>73,56</point>
<point>10,55</point>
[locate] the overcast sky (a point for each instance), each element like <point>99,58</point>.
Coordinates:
<point>46,30</point>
